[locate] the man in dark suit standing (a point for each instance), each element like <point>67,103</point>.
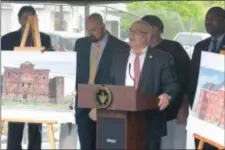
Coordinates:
<point>150,70</point>
<point>178,112</point>
<point>8,42</point>
<point>215,26</point>
<point>12,39</point>
<point>94,56</point>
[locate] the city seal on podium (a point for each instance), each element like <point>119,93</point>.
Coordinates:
<point>103,97</point>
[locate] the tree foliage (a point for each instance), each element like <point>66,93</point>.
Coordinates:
<point>177,16</point>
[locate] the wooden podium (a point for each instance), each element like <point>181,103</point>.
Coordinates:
<point>121,121</point>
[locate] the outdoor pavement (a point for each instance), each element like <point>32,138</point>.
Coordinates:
<point>70,143</point>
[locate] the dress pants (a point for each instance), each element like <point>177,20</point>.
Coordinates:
<point>154,144</point>
<point>206,146</point>
<point>15,135</point>
<point>86,131</point>
<point>176,136</point>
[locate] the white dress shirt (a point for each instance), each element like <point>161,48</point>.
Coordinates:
<point>129,80</point>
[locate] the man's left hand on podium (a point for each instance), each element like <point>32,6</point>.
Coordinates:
<point>93,114</point>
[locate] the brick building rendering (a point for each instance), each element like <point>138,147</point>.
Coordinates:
<point>29,84</point>
<point>211,105</point>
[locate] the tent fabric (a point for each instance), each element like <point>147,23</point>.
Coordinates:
<point>73,2</point>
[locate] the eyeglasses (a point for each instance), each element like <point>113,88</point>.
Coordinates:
<point>136,32</point>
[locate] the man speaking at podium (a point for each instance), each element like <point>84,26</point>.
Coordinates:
<point>150,70</point>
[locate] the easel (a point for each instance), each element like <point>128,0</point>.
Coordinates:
<point>32,25</point>
<point>203,140</point>
<point>50,125</point>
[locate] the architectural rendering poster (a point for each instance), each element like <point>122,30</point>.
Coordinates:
<point>37,79</point>
<point>207,116</point>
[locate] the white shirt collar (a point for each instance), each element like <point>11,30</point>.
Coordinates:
<point>143,51</point>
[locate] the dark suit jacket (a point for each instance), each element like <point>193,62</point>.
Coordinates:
<point>157,77</point>
<point>83,49</point>
<point>195,66</point>
<point>13,39</point>
<point>182,64</point>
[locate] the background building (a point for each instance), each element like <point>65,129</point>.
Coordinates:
<point>56,90</point>
<point>210,106</point>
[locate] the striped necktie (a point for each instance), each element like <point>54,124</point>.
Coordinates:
<point>94,64</point>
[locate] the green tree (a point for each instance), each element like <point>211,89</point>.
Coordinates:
<point>212,3</point>
<point>177,16</point>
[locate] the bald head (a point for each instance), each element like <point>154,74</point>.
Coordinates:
<point>95,27</point>
<point>95,16</point>
<point>139,35</point>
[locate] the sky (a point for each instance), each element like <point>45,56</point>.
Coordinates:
<point>59,64</point>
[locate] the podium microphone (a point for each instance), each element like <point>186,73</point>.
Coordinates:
<point>131,74</point>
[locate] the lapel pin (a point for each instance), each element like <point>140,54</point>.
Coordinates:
<point>150,56</point>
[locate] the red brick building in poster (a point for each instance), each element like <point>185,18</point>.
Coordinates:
<point>211,103</point>
<point>27,83</point>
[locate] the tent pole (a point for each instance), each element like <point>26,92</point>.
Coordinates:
<point>86,13</point>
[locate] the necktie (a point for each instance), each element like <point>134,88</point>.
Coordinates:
<point>214,45</point>
<point>137,70</point>
<point>93,64</point>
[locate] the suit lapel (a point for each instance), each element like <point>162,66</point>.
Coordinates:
<point>122,67</point>
<point>205,47</point>
<point>147,64</point>
<point>18,37</point>
<point>87,55</point>
<point>222,44</point>
<point>105,54</point>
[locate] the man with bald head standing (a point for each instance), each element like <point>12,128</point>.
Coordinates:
<point>94,57</point>
<point>150,70</point>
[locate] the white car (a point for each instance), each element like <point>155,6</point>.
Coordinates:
<point>189,39</point>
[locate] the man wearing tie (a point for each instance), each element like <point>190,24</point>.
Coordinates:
<point>8,42</point>
<point>94,57</point>
<point>150,70</point>
<point>215,26</point>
